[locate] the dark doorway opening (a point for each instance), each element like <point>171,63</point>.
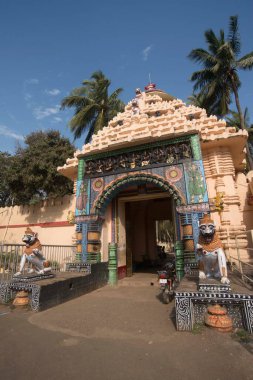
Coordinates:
<point>149,234</point>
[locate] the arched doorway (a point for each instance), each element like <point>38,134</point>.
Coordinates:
<point>136,204</point>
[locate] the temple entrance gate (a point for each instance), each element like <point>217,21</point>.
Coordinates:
<point>174,167</point>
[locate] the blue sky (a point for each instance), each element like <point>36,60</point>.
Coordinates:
<point>49,47</point>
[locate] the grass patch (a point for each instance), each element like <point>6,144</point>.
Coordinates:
<point>197,328</point>
<point>242,336</point>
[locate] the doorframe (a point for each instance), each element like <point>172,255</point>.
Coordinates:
<point>121,201</point>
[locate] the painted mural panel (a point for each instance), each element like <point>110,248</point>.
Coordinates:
<point>82,197</point>
<point>196,189</point>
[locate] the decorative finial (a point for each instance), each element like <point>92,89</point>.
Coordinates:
<point>150,87</point>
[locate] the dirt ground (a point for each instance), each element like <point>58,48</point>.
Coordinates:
<point>122,332</point>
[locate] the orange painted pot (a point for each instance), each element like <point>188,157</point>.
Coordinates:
<point>216,317</point>
<point>21,299</point>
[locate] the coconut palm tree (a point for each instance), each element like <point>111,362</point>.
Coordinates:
<point>233,120</point>
<point>94,107</point>
<point>219,80</point>
<point>199,100</point>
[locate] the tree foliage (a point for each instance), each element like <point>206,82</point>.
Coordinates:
<point>31,173</point>
<point>199,100</point>
<point>218,80</point>
<point>233,120</point>
<point>5,164</point>
<point>93,106</point>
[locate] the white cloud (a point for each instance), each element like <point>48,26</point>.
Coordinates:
<point>27,96</point>
<point>145,52</point>
<point>40,112</point>
<point>27,90</point>
<point>32,81</point>
<point>57,119</point>
<point>5,131</point>
<point>53,92</point>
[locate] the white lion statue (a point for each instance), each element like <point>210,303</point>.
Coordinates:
<point>33,255</point>
<point>212,260</point>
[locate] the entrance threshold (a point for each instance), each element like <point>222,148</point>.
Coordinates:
<point>139,279</point>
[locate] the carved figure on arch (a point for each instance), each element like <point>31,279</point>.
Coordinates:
<point>135,107</point>
<point>212,259</point>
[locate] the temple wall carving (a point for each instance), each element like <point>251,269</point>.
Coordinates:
<point>222,184</point>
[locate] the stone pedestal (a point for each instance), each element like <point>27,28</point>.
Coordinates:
<point>192,300</point>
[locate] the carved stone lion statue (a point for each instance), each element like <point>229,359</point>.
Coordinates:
<point>32,254</point>
<point>212,260</point>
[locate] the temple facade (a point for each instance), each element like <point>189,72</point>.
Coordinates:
<point>160,160</point>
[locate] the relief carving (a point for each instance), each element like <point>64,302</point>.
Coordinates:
<point>169,154</point>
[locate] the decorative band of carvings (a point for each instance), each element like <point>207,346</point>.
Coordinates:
<point>89,218</point>
<point>165,154</point>
<point>203,295</point>
<point>187,237</point>
<point>214,288</point>
<point>116,152</point>
<point>78,267</point>
<point>201,207</point>
<point>30,278</point>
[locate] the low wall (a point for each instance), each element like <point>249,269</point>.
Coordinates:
<point>67,289</point>
<point>49,219</point>
<point>64,287</point>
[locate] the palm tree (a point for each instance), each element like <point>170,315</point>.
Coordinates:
<point>219,80</point>
<point>199,100</point>
<point>94,107</point>
<point>234,121</point>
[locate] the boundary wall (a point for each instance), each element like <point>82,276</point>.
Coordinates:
<point>51,219</point>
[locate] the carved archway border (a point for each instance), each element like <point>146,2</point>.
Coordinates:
<point>114,187</point>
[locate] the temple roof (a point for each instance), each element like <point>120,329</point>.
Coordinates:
<point>155,115</point>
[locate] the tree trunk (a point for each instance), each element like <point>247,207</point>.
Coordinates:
<point>238,106</point>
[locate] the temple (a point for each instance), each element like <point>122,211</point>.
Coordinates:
<point>160,160</point>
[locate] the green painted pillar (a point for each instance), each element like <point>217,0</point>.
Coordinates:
<point>179,250</point>
<point>113,264</point>
<point>196,150</point>
<point>80,170</point>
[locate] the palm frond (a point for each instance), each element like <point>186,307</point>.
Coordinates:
<point>234,36</point>
<point>202,56</point>
<point>93,107</point>
<point>212,41</point>
<point>100,121</point>
<point>246,62</point>
<point>82,120</point>
<point>74,101</point>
